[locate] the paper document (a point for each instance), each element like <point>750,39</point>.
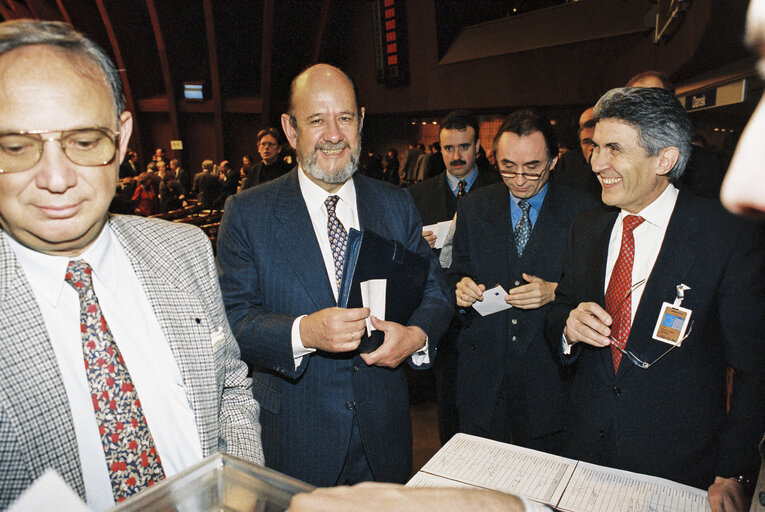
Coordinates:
<point>493,301</point>
<point>373,297</point>
<point>567,484</point>
<point>594,487</point>
<point>440,230</point>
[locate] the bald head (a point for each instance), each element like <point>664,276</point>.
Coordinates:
<point>324,125</point>
<point>317,73</point>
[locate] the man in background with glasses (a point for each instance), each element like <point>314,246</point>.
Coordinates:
<point>646,397</point>
<point>113,406</point>
<point>509,386</point>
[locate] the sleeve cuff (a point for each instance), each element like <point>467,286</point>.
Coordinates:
<point>566,345</point>
<point>533,506</point>
<point>421,356</point>
<point>298,350</point>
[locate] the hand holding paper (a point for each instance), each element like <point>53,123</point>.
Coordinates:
<point>493,301</point>
<point>333,329</point>
<point>436,233</point>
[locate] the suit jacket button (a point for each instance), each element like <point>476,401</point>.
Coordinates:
<point>515,338</point>
<point>355,368</point>
<point>517,283</point>
<point>617,390</point>
<point>472,347</point>
<point>514,321</point>
<point>349,405</point>
<point>601,434</point>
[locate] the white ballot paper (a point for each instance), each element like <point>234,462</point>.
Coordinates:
<point>440,230</point>
<point>48,492</point>
<point>373,297</point>
<point>493,301</point>
<point>567,484</point>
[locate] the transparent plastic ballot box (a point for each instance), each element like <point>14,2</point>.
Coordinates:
<point>220,482</point>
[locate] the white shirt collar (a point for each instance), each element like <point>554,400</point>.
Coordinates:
<point>314,196</point>
<point>46,272</point>
<point>660,210</point>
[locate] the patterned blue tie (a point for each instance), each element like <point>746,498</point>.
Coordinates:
<point>523,228</point>
<point>338,237</point>
<point>131,457</point>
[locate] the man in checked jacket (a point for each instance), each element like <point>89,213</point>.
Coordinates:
<point>112,406</point>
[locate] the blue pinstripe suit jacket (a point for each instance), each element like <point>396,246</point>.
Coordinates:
<point>271,271</point>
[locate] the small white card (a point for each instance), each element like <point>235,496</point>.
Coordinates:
<point>373,297</point>
<point>672,323</point>
<point>493,301</point>
<point>440,230</point>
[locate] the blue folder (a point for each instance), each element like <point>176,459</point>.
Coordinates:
<point>370,256</point>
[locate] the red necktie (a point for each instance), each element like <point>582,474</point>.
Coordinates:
<point>618,296</point>
<point>131,457</point>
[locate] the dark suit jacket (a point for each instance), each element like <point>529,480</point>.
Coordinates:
<point>670,420</point>
<point>435,200</point>
<point>271,271</point>
<point>511,343</point>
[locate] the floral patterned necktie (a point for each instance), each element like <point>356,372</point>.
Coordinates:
<point>131,457</point>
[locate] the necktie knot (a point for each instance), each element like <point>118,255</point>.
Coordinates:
<point>331,203</point>
<point>461,188</point>
<point>79,275</point>
<point>631,222</point>
<point>523,228</point>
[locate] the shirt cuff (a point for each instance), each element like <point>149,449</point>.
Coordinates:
<point>566,345</point>
<point>298,350</point>
<point>533,506</point>
<point>422,356</point>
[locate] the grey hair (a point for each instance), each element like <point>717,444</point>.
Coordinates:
<point>657,115</point>
<point>18,33</point>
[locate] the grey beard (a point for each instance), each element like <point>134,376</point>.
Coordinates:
<point>310,165</point>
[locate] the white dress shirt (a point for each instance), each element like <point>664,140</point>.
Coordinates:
<point>347,213</point>
<point>648,239</point>
<point>145,349</point>
<point>649,236</point>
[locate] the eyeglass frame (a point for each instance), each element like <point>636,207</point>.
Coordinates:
<point>634,359</point>
<point>111,135</point>
<point>529,176</point>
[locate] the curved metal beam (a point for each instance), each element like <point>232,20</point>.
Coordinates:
<point>129,103</point>
<point>212,51</point>
<point>172,106</point>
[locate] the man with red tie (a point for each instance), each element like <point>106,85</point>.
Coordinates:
<point>655,302</point>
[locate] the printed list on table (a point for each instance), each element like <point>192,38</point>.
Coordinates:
<point>604,489</point>
<point>503,467</point>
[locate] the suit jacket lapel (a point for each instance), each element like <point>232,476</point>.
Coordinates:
<point>299,244</point>
<point>372,212</point>
<point>598,255</point>
<point>30,375</point>
<point>163,280</point>
<point>494,230</point>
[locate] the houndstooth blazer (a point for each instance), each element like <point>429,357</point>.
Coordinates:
<point>174,264</point>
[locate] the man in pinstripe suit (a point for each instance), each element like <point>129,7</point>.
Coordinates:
<point>63,132</point>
